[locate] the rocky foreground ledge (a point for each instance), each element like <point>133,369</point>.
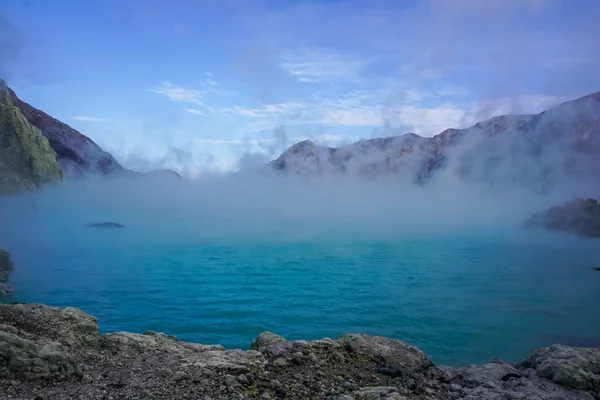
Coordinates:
<point>54,353</point>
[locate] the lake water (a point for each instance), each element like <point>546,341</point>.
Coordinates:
<point>462,295</point>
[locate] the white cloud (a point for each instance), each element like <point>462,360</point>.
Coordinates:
<point>193,111</point>
<point>365,110</point>
<point>180,94</point>
<point>311,65</point>
<point>90,119</point>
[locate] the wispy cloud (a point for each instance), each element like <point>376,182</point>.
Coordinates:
<point>311,65</point>
<point>193,111</point>
<point>319,138</point>
<point>90,119</point>
<point>180,94</point>
<point>365,110</point>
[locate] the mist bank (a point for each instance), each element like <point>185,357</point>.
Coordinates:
<point>495,174</point>
<point>252,206</point>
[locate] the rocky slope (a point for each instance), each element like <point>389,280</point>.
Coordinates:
<point>51,353</point>
<point>6,268</point>
<point>77,154</point>
<point>542,149</point>
<point>26,159</point>
<point>579,216</point>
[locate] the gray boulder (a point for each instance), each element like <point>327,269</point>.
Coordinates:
<point>270,344</point>
<point>399,357</point>
<point>574,367</point>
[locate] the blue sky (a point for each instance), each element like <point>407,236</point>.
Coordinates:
<point>193,84</point>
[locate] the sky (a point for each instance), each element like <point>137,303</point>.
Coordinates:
<point>193,85</point>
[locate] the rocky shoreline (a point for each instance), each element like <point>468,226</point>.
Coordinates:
<point>54,353</point>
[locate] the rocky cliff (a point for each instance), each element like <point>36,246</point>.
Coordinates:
<point>539,150</point>
<point>52,353</point>
<point>6,268</point>
<point>77,154</point>
<point>579,216</point>
<point>26,159</point>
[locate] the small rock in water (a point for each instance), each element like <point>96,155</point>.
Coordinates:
<point>105,225</point>
<point>597,268</point>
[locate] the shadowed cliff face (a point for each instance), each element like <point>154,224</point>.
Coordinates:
<point>542,150</point>
<point>26,159</point>
<point>77,154</point>
<point>579,216</point>
<point>6,268</point>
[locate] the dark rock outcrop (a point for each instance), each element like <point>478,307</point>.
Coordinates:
<point>26,159</point>
<point>54,353</point>
<point>6,268</point>
<point>579,216</point>
<point>77,154</point>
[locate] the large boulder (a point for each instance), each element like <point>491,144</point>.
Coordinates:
<point>37,341</point>
<point>69,326</point>
<point>579,216</point>
<point>553,373</point>
<point>574,367</point>
<point>399,357</point>
<point>26,159</point>
<point>29,359</point>
<point>477,375</point>
<point>270,344</point>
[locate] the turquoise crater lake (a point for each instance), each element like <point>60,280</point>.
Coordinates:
<point>463,295</point>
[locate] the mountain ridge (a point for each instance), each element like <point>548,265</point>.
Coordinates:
<point>554,136</point>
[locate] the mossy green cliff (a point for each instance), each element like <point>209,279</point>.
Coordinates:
<point>26,159</point>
